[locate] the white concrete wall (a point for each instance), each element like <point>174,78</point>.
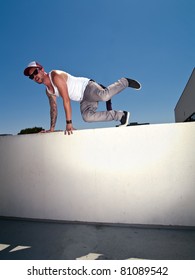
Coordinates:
<point>186,105</point>
<point>136,175</point>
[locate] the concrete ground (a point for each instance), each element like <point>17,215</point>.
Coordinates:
<point>27,240</point>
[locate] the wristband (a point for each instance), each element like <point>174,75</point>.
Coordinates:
<point>69,121</point>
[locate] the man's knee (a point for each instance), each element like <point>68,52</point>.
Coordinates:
<point>87,117</point>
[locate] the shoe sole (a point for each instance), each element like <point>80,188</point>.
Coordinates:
<point>127,121</point>
<point>135,85</point>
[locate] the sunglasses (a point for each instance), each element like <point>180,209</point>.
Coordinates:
<point>34,74</point>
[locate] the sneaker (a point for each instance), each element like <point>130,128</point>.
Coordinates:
<point>125,119</point>
<point>133,84</point>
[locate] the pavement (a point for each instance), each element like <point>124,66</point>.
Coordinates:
<point>35,240</point>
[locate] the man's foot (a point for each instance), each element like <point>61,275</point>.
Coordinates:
<point>134,84</point>
<point>125,119</point>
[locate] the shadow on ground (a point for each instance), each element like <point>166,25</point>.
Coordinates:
<point>27,240</point>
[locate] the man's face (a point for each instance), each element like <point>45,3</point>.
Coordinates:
<point>36,74</point>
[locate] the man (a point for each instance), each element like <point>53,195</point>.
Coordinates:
<point>86,91</point>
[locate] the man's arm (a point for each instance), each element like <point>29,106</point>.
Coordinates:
<point>53,111</point>
<point>63,90</point>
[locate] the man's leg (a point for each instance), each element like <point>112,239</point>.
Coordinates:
<point>89,114</point>
<point>95,93</point>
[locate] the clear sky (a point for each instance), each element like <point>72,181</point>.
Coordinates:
<point>152,41</point>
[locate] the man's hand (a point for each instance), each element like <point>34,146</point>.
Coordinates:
<point>69,129</point>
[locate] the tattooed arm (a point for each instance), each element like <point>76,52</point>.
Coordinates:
<point>53,111</point>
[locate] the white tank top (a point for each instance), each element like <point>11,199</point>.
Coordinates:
<point>76,87</point>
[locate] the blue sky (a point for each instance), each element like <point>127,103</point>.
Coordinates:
<point>149,40</point>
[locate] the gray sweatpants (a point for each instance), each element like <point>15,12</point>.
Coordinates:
<point>95,93</point>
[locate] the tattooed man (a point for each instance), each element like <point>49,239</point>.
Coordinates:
<point>86,91</point>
